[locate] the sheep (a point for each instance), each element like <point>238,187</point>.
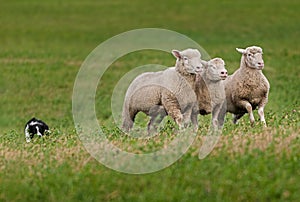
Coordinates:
<point>171,88</point>
<point>247,88</point>
<point>203,97</point>
<point>210,92</point>
<point>213,75</point>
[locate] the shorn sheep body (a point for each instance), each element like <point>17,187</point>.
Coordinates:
<point>172,88</point>
<point>247,88</point>
<point>213,75</point>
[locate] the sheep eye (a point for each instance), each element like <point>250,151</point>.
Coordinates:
<point>249,54</point>
<point>185,58</point>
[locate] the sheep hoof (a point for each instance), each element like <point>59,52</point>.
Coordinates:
<point>264,124</point>
<point>195,128</point>
<point>235,119</point>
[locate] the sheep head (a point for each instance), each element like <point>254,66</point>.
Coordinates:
<point>188,61</point>
<point>214,69</point>
<point>252,57</point>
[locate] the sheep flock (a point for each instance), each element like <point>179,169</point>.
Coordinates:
<point>195,86</point>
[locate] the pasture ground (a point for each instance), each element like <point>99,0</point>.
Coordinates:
<point>43,45</point>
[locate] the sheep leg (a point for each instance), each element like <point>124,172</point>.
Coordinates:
<point>248,107</point>
<point>218,115</point>
<point>222,113</point>
<point>214,116</point>
<point>127,125</point>
<point>157,114</point>
<point>194,118</point>
<point>187,114</point>
<point>236,117</point>
<point>190,113</point>
<point>172,107</point>
<point>262,115</point>
<point>128,119</point>
<point>261,107</point>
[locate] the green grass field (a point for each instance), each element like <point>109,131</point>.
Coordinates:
<point>43,44</point>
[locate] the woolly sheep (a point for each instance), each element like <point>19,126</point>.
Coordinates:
<point>210,92</point>
<point>203,97</point>
<point>171,88</point>
<point>248,88</point>
<point>213,75</point>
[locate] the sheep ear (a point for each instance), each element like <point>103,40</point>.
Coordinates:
<point>176,53</point>
<point>204,63</point>
<point>240,50</point>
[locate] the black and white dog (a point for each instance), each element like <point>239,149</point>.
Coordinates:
<point>35,126</point>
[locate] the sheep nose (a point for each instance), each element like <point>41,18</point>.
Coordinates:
<point>198,68</point>
<point>260,63</point>
<point>224,73</point>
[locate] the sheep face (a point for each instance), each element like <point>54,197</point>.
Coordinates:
<point>215,69</point>
<point>189,60</point>
<point>252,56</point>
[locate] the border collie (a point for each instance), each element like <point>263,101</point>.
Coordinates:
<point>35,126</point>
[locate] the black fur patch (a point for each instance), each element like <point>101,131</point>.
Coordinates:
<point>35,126</point>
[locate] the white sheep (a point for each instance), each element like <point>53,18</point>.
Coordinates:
<point>213,75</point>
<point>210,92</point>
<point>171,88</point>
<point>203,97</point>
<point>248,88</point>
